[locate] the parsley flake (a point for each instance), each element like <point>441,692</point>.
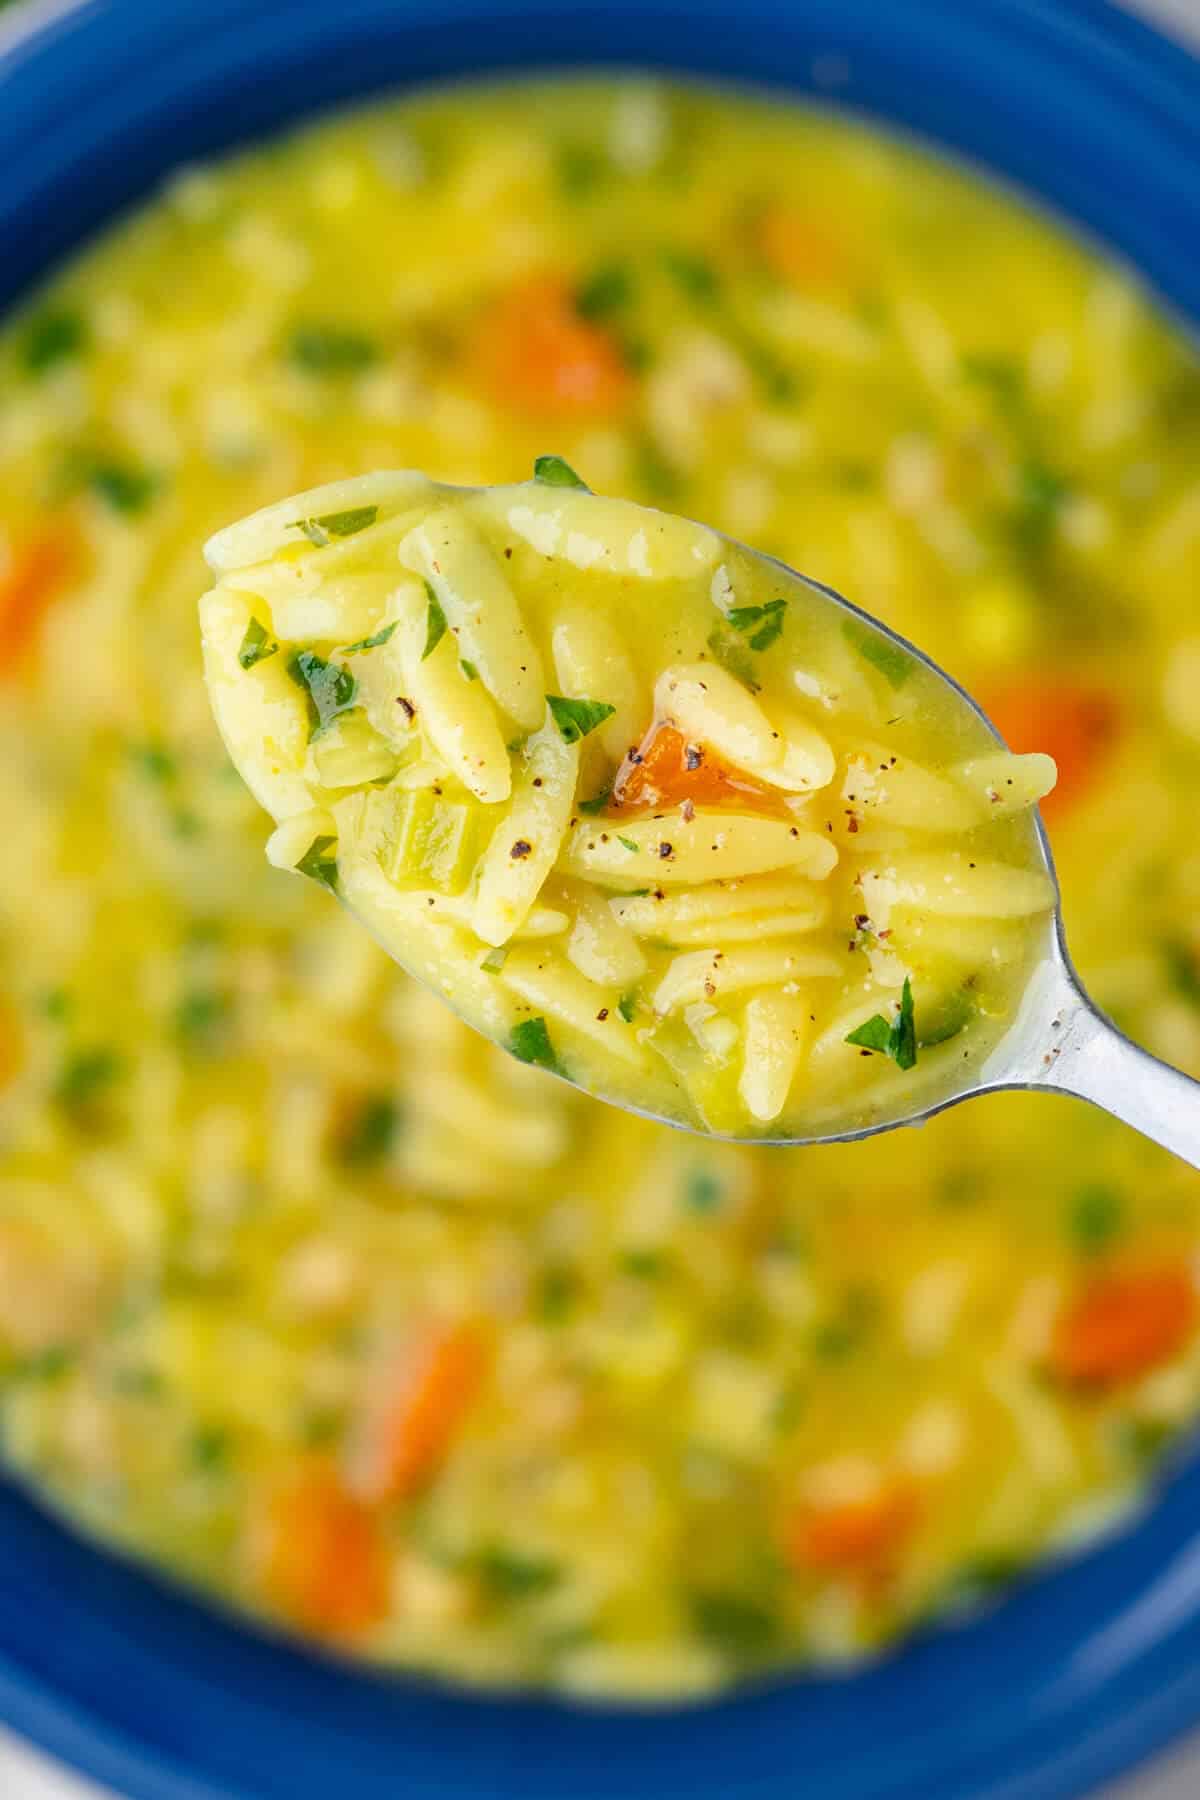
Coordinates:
<point>319,865</point>
<point>555,471</point>
<point>760,625</point>
<point>468,669</point>
<point>897,1039</point>
<point>893,663</point>
<point>598,802</point>
<point>318,531</point>
<point>256,645</point>
<point>318,349</point>
<point>1095,1216</point>
<point>331,689</point>
<point>53,337</point>
<point>513,1575</point>
<point>727,649</point>
<point>606,291</point>
<point>576,718</point>
<point>373,642</point>
<point>123,486</point>
<point>370,1133</point>
<point>435,623</point>
<point>628,843</point>
<point>530,1043</point>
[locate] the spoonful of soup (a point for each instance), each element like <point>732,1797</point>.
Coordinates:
<point>655,812</point>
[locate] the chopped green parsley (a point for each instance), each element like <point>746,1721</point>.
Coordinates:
<point>760,625</point>
<point>331,690</point>
<point>327,349</point>
<point>893,663</point>
<point>576,718</point>
<point>553,471</point>
<point>530,1043</point>
<point>435,623</point>
<point>373,642</point>
<point>897,1038</point>
<point>257,644</point>
<point>346,524</point>
<point>319,863</point>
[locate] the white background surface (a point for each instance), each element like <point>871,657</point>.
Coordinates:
<point>27,1775</point>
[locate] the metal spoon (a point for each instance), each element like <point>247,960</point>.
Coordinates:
<point>1060,1042</point>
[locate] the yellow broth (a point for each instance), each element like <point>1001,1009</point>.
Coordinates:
<point>642,807</point>
<point>307,1293</point>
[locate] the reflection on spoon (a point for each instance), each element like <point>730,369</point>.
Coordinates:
<point>654,811</point>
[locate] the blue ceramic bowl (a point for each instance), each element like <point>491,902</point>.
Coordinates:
<point>1088,1668</point>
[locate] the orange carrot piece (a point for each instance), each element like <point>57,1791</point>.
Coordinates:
<point>665,770</point>
<point>801,249</point>
<point>420,1407</point>
<point>322,1558</point>
<point>536,354</point>
<point>861,1537</point>
<point>38,573</point>
<point>1123,1325</point>
<point>1071,721</point>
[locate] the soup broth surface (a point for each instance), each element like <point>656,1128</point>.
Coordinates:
<point>313,1297</point>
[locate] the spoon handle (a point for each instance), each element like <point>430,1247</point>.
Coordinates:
<point>1087,1056</point>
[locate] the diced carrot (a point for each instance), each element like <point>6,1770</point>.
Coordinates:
<point>859,1537</point>
<point>536,354</point>
<point>1123,1325</point>
<point>1074,722</point>
<point>801,249</point>
<point>320,1555</point>
<point>665,770</point>
<point>415,1411</point>
<point>38,572</point>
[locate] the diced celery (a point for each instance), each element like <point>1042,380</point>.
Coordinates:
<point>352,753</point>
<point>436,843</point>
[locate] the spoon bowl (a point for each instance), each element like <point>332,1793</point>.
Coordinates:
<point>491,868</point>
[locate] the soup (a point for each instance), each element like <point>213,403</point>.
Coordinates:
<point>780,820</point>
<point>312,1297</point>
